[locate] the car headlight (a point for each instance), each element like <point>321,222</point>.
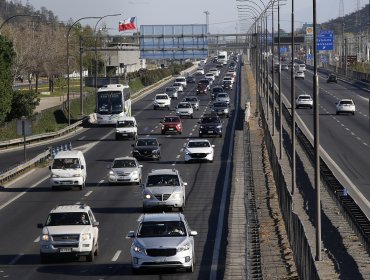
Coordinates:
<point>183,248</point>
<point>137,248</point>
<point>201,127</point>
<point>219,126</point>
<point>45,237</point>
<point>76,175</point>
<point>187,152</point>
<point>111,172</point>
<point>134,173</point>
<point>55,176</point>
<point>176,195</point>
<point>156,151</point>
<point>147,196</point>
<point>85,236</point>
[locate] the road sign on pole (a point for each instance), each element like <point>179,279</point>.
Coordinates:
<point>325,40</point>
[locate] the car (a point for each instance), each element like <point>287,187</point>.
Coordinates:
<point>172,92</point>
<point>206,82</point>
<point>231,72</point>
<point>302,67</point>
<point>345,106</point>
<point>210,79</point>
<point>162,240</point>
<point>228,79</point>
<point>171,124</point>
<point>229,75</point>
<point>304,100</point>
<point>332,78</point>
<point>221,108</point>
<point>284,66</point>
<point>198,150</point>
<point>202,88</point>
<point>190,80</point>
<point>164,188</point>
<point>178,86</point>
<point>227,85</point>
<point>181,80</point>
<point>210,75</point>
<point>199,71</point>
<point>162,100</point>
<point>126,127</point>
<point>223,97</point>
<point>299,75</point>
<point>69,230</point>
<point>210,125</point>
<point>215,71</point>
<point>184,109</point>
<point>125,170</point>
<point>215,91</point>
<point>193,100</point>
<point>146,148</point>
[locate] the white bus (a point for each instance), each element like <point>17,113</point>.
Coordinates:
<point>112,101</point>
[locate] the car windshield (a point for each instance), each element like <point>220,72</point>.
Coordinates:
<point>170,89</point>
<point>218,89</point>
<point>183,105</point>
<point>219,104</point>
<point>66,163</point>
<point>305,97</point>
<point>146,142</point>
<point>163,180</point>
<point>198,144</point>
<point>346,102</point>
<point>67,219</point>
<point>177,84</point>
<point>161,97</point>
<point>222,95</point>
<point>125,124</point>
<point>210,120</point>
<point>161,229</point>
<point>170,119</point>
<point>121,163</point>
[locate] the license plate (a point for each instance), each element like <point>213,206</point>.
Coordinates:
<point>124,134</point>
<point>210,131</point>
<point>170,128</point>
<point>65,250</point>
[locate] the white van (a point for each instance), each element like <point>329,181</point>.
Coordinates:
<point>68,169</point>
<point>126,127</point>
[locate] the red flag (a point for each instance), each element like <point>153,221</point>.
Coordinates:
<point>127,24</point>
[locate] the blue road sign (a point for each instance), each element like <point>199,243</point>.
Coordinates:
<point>283,50</point>
<point>325,40</point>
<point>310,57</point>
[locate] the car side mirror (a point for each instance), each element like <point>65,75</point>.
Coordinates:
<point>131,234</point>
<point>140,166</point>
<point>50,167</point>
<point>193,233</point>
<point>185,184</point>
<point>95,224</point>
<point>82,167</point>
<point>40,225</point>
<point>213,146</point>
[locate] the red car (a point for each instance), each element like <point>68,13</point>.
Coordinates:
<point>171,124</point>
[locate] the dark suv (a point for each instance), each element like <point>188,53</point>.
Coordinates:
<point>332,79</point>
<point>210,125</point>
<point>171,124</point>
<point>146,148</point>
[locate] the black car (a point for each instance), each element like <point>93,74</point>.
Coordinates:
<point>190,79</point>
<point>146,148</point>
<point>210,125</point>
<point>227,85</point>
<point>332,79</point>
<point>216,90</point>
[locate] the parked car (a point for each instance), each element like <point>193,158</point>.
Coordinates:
<point>198,150</point>
<point>332,78</point>
<point>162,240</point>
<point>125,170</point>
<point>164,188</point>
<point>146,148</point>
<point>304,100</point>
<point>171,124</point>
<point>345,106</point>
<point>184,109</point>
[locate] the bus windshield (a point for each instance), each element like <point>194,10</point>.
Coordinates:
<point>110,102</point>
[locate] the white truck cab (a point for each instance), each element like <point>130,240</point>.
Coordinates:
<point>126,127</point>
<point>68,169</point>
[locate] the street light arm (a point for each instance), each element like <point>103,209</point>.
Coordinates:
<point>264,6</point>
<point>22,15</point>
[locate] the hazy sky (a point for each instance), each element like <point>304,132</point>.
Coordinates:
<point>223,16</point>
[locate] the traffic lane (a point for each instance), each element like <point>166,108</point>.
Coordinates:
<point>339,137</point>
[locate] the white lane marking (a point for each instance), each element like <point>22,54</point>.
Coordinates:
<point>19,178</point>
<point>88,193</point>
<point>37,239</point>
<point>101,181</point>
<point>178,156</point>
<point>81,138</point>
<point>151,131</point>
<point>13,261</point>
<point>173,164</point>
<point>181,150</point>
<point>146,128</point>
<point>22,193</point>
<point>116,255</point>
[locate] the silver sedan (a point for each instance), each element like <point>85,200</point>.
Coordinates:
<point>125,170</point>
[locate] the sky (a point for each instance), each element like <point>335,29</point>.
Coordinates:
<point>223,15</point>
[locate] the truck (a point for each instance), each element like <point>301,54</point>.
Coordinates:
<point>222,57</point>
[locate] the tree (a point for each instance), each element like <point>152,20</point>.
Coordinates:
<point>7,56</point>
<point>23,104</point>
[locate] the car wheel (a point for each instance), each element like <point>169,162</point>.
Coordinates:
<point>337,113</point>
<point>43,258</point>
<point>96,249</point>
<point>117,137</point>
<point>91,255</point>
<point>221,135</point>
<point>81,187</point>
<point>180,132</point>
<point>191,116</point>
<point>181,209</point>
<point>162,132</point>
<point>353,113</point>
<point>191,268</point>
<point>155,108</point>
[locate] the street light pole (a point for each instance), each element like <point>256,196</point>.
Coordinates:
<point>68,101</point>
<point>292,101</point>
<point>207,13</point>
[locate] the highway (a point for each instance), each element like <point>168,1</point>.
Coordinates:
<point>345,138</point>
<point>27,201</point>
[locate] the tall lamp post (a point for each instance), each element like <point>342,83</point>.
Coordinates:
<point>68,101</point>
<point>96,51</point>
<point>207,13</point>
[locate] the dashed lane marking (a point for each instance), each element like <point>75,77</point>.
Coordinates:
<point>116,256</point>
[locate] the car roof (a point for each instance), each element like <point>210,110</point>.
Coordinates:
<point>163,171</point>
<point>198,140</point>
<point>123,158</point>
<point>157,217</point>
<point>304,95</point>
<point>345,99</point>
<point>70,208</point>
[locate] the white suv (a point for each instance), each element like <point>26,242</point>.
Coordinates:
<point>162,100</point>
<point>345,106</point>
<point>69,230</point>
<point>164,188</point>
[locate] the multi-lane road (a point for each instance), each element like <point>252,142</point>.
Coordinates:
<point>27,201</point>
<point>344,138</point>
